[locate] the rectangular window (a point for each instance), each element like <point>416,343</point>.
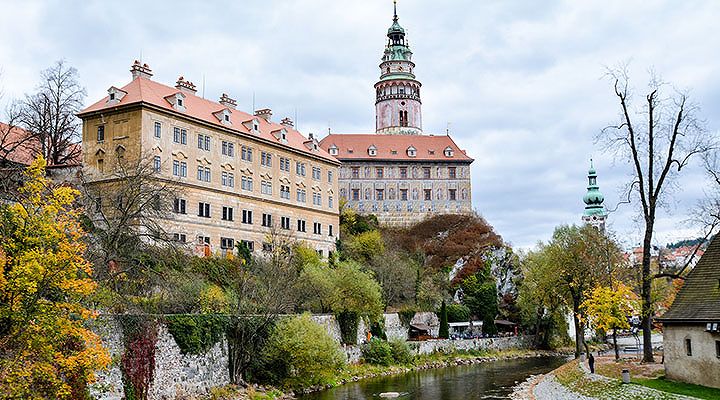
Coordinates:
<point>301,225</point>
<point>301,195</point>
<point>717,348</point>
<point>317,228</point>
<point>267,247</point>
<point>227,179</point>
<point>356,172</point>
<point>101,133</point>
<point>203,239</point>
<point>300,168</point>
<point>285,222</point>
<point>428,194</point>
<point>379,172</point>
<point>227,213</point>
<point>180,237</point>
<point>246,153</point>
<point>330,202</point>
<point>284,164</point>
<point>426,172</point>
<point>403,194</point>
<point>316,173</point>
<point>266,159</point>
<point>246,183</point>
<point>379,194</point>
<point>452,194</point>
<point>204,210</point>
<point>266,220</point>
<point>203,142</point>
<point>403,172</point>
<point>176,134</point>
<point>688,347</point>
<point>179,206</point>
<point>317,199</point>
<point>249,244</point>
<point>285,192</point>
<point>227,243</point>
<point>228,149</point>
<point>266,187</point>
<point>247,217</point>
<point>356,194</point>
<point>452,172</point>
<point>101,165</point>
<point>156,163</point>
<point>330,233</point>
<point>158,130</point>
<point>176,168</point>
<point>330,176</point>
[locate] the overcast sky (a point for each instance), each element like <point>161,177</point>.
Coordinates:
<point>519,82</point>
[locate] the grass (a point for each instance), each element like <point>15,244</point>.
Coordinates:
<point>687,389</point>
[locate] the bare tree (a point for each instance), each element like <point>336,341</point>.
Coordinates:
<point>49,114</point>
<point>666,137</point>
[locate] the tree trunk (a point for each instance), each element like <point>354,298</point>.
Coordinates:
<point>617,352</point>
<point>579,331</point>
<point>646,293</point>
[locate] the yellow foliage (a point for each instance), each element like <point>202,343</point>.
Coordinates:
<point>47,352</point>
<point>608,308</point>
<point>214,300</point>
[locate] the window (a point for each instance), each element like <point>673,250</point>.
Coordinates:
<point>204,210</point>
<point>301,225</point>
<point>428,194</point>
<point>717,348</point>
<point>180,168</point>
<point>452,172</point>
<point>203,174</point>
<point>285,222</point>
<point>330,233</point>
<point>317,228</point>
<point>330,202</point>
<point>246,183</point>
<point>316,173</point>
<point>101,133</point>
<point>247,217</point>
<point>403,172</point>
<point>112,96</point>
<point>180,237</point>
<point>203,239</point>
<point>179,135</point>
<point>266,159</point>
<point>227,213</point>
<point>179,206</point>
<point>179,102</point>
<point>356,172</point>
<point>379,172</point>
<point>227,243</point>
<point>403,194</point>
<point>266,187</point>
<point>156,164</point>
<point>452,194</point>
<point>317,199</point>
<point>101,165</point>
<point>249,244</point>
<point>688,347</point>
<point>379,194</point>
<point>356,194</point>
<point>330,176</point>
<point>300,168</point>
<point>426,172</point>
<point>228,179</point>
<point>228,149</point>
<point>267,247</point>
<point>246,153</point>
<point>158,130</point>
<point>301,195</point>
<point>285,192</point>
<point>266,220</point>
<point>203,142</point>
<point>284,164</point>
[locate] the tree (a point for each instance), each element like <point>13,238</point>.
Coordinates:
<point>49,113</point>
<point>480,295</point>
<point>46,351</point>
<point>658,147</point>
<point>609,308</point>
<point>444,332</point>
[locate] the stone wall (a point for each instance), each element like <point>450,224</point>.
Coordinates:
<point>449,346</point>
<point>693,368</point>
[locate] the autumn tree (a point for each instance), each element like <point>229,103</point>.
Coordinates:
<point>658,138</point>
<point>46,351</point>
<point>608,307</point>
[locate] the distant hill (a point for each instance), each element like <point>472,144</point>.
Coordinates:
<point>689,243</point>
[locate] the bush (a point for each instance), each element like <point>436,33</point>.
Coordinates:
<point>400,352</point>
<point>196,334</point>
<point>444,328</point>
<point>406,315</point>
<point>377,352</point>
<point>458,313</point>
<point>300,353</point>
<point>348,322</point>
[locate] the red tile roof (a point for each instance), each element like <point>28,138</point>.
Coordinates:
<point>394,147</point>
<point>16,148</point>
<point>146,91</point>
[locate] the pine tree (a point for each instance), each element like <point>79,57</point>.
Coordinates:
<point>444,327</point>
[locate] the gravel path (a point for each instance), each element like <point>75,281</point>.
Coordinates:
<point>549,389</point>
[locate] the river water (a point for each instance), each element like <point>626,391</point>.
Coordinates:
<point>490,380</point>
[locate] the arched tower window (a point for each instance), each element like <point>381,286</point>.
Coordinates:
<point>403,118</point>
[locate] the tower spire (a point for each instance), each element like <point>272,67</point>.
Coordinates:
<point>595,213</point>
<point>395,17</point>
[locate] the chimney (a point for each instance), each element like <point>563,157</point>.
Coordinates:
<point>227,101</point>
<point>287,122</point>
<point>185,86</point>
<point>137,70</point>
<point>311,136</point>
<point>264,113</point>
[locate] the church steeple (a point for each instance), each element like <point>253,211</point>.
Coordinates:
<point>595,213</point>
<point>397,100</point>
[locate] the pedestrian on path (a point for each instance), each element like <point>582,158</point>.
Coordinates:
<point>591,363</point>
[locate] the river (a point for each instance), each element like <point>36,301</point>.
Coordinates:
<point>490,380</point>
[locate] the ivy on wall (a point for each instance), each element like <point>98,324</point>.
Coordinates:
<point>138,360</point>
<point>348,321</point>
<point>196,333</point>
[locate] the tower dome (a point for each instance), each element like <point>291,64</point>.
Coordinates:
<point>595,213</point>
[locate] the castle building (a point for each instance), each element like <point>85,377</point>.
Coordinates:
<point>241,175</point>
<point>399,173</point>
<point>595,213</point>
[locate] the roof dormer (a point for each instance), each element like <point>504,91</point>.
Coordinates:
<point>177,100</point>
<point>280,134</point>
<point>372,150</point>
<point>449,152</point>
<point>411,151</point>
<point>333,150</point>
<point>115,95</point>
<point>223,116</point>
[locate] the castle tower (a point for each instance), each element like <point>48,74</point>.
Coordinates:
<point>595,213</point>
<point>397,93</point>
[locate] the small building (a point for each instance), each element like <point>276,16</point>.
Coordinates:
<point>692,324</point>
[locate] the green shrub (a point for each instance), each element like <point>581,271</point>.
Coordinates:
<point>377,329</point>
<point>348,322</point>
<point>377,352</point>
<point>444,327</point>
<point>406,315</point>
<point>300,353</point>
<point>458,313</point>
<point>196,334</point>
<point>400,352</point>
